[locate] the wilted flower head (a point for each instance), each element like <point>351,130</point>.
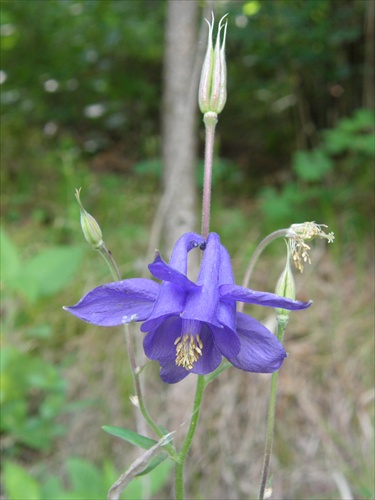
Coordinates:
<point>213,82</point>
<point>297,236</point>
<point>190,326</point>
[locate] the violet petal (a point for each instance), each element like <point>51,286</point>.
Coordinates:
<point>117,303</point>
<point>211,357</point>
<point>227,341</point>
<point>202,304</point>
<point>159,343</point>
<point>260,352</point>
<point>241,294</point>
<point>163,271</point>
<point>172,298</point>
<point>170,302</point>
<point>170,373</point>
<point>184,244</point>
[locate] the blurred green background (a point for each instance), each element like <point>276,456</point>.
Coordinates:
<point>81,87</point>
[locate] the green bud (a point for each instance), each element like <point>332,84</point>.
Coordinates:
<point>213,83</point>
<point>285,287</point>
<point>90,228</point>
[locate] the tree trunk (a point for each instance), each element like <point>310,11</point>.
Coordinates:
<point>368,80</point>
<point>179,123</point>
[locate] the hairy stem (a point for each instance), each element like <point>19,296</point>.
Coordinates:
<point>110,261</point>
<point>210,120</point>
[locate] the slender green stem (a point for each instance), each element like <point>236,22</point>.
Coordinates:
<point>179,467</point>
<point>138,390</point>
<point>108,257</point>
<point>270,421</point>
<point>211,376</point>
<point>210,120</point>
<point>129,341</point>
<point>254,258</point>
<point>179,480</point>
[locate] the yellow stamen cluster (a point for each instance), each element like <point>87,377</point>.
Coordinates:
<point>297,235</point>
<point>188,350</point>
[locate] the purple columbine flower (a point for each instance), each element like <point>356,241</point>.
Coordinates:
<point>191,326</point>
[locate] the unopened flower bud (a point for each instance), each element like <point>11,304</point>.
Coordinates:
<point>213,82</point>
<point>90,228</point>
<point>285,287</point>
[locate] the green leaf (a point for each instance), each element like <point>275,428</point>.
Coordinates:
<point>18,483</point>
<point>37,432</point>
<point>159,477</point>
<point>312,165</point>
<point>109,473</point>
<point>85,478</point>
<point>52,488</point>
<point>48,272</point>
<point>134,490</point>
<point>354,134</point>
<point>130,436</point>
<point>154,462</point>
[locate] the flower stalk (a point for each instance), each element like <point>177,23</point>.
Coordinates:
<point>210,120</point>
<point>285,287</point>
<point>180,464</point>
<point>270,422</point>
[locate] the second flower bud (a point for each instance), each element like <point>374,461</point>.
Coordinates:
<point>213,82</point>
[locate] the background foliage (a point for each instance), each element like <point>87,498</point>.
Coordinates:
<point>81,86</point>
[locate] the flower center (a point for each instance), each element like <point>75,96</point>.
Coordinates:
<point>188,349</point>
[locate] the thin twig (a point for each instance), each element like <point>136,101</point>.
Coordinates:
<point>136,468</point>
